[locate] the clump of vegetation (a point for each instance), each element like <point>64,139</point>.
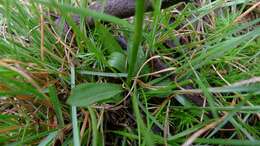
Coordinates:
<point>73,75</point>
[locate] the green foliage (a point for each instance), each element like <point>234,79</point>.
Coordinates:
<point>137,38</point>
<point>89,93</point>
<point>118,61</point>
<point>216,59</point>
<point>56,105</point>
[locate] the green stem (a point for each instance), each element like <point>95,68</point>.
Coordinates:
<point>132,56</point>
<point>76,139</point>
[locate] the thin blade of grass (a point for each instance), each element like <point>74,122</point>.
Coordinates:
<point>76,137</point>
<point>56,105</point>
<point>95,139</point>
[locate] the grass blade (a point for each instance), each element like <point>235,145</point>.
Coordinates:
<point>76,138</point>
<point>56,105</point>
<point>46,141</point>
<point>137,37</point>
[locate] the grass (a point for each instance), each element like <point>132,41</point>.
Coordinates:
<point>190,75</point>
<point>137,38</point>
<point>76,138</point>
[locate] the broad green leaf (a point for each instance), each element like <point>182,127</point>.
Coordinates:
<point>118,61</point>
<point>90,93</point>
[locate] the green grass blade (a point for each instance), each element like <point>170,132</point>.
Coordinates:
<point>104,74</point>
<point>95,133</point>
<point>143,131</point>
<point>50,138</point>
<point>137,38</point>
<point>76,138</point>
<point>56,105</point>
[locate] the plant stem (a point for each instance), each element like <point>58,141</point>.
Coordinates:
<point>76,139</point>
<point>132,55</point>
